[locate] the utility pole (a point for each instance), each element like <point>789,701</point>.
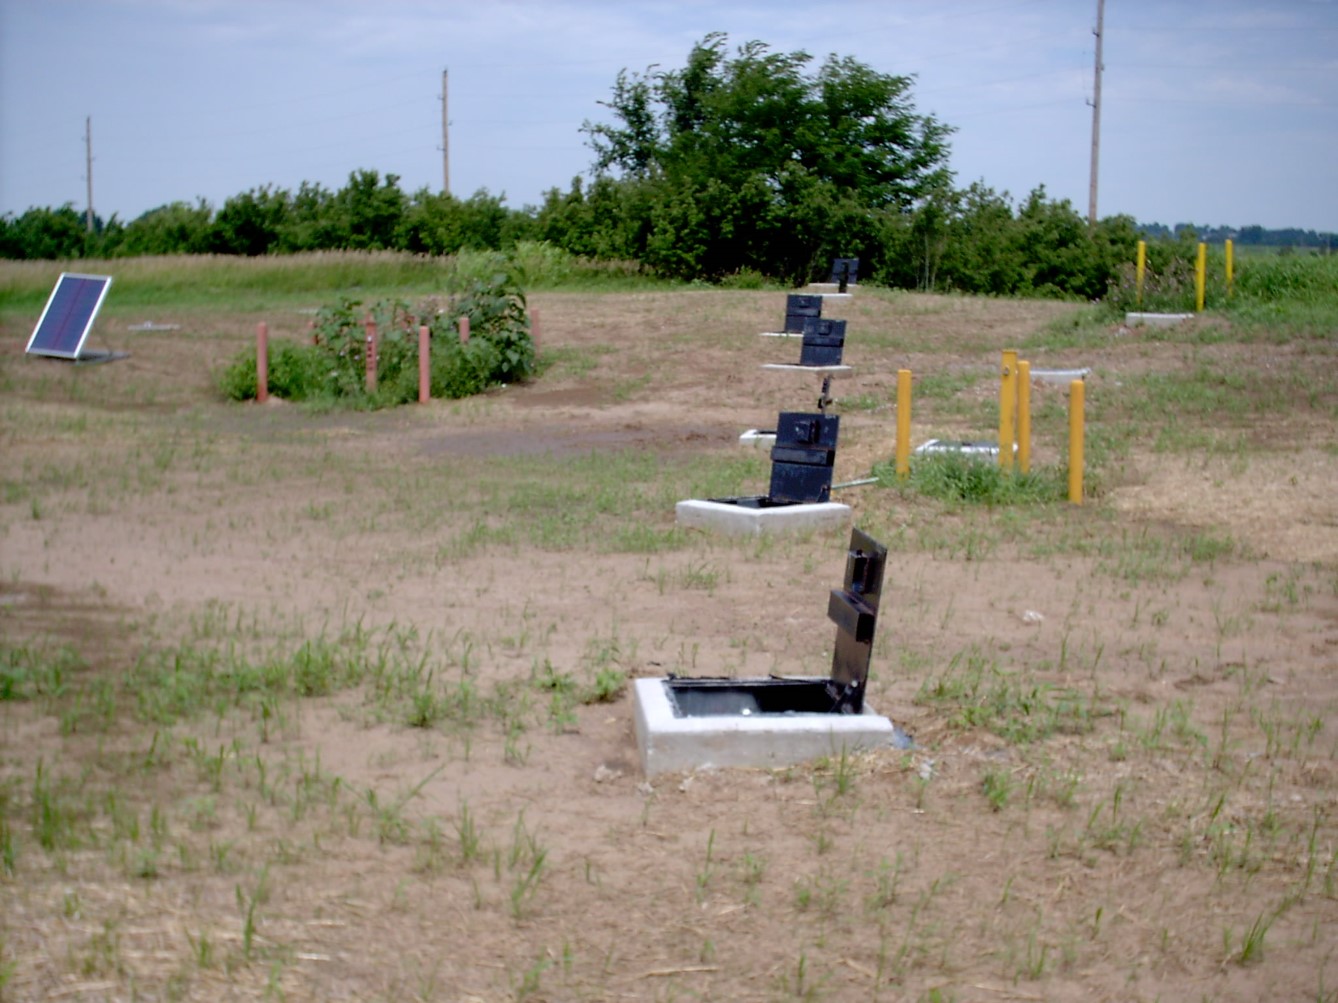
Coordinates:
<point>88,162</point>
<point>445,139</point>
<point>1096,112</point>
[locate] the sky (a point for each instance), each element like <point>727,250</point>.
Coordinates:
<point>1216,112</point>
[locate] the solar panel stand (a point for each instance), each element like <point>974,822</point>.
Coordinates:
<point>67,318</point>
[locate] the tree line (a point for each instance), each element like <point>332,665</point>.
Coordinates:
<point>744,165</point>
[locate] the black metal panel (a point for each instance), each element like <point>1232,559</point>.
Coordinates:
<point>800,483</point>
<point>824,341</point>
<point>806,428</point>
<point>852,615</point>
<point>854,608</point>
<point>803,457</point>
<point>845,271</point>
<point>799,307</point>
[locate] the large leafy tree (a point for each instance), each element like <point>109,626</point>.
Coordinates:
<point>748,159</point>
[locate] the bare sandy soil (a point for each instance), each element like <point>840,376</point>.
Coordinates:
<point>1124,784</point>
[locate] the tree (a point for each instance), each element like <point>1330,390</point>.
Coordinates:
<point>44,233</point>
<point>747,160</point>
<point>175,228</point>
<point>250,223</point>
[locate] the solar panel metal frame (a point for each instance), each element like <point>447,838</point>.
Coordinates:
<point>70,309</point>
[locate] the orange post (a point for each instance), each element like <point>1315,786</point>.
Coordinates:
<point>370,354</point>
<point>1076,403</point>
<point>1007,408</point>
<point>903,422</point>
<point>1024,416</point>
<point>534,329</point>
<point>1230,264</point>
<point>424,366</point>
<point>262,362</point>
<point>464,330</point>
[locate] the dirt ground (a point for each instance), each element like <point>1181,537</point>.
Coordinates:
<point>1124,779</point>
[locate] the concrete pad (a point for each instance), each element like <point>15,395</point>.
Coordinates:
<point>781,334</point>
<point>757,439</point>
<point>743,520</point>
<point>668,743</point>
<point>1062,377</point>
<point>1156,319</point>
<point>982,448</point>
<point>832,371</point>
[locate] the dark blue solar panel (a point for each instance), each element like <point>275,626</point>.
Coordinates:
<point>68,316</point>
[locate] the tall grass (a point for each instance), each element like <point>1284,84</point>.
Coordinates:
<point>1287,294</point>
<point>210,280</point>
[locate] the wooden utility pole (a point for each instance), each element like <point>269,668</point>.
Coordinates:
<point>1096,112</point>
<point>445,139</point>
<point>88,166</point>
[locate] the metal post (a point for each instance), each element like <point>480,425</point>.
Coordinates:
<point>903,422</point>
<point>1024,416</point>
<point>1140,270</point>
<point>1007,408</point>
<point>424,366</point>
<point>262,362</point>
<point>370,354</point>
<point>1200,277</point>
<point>1077,391</point>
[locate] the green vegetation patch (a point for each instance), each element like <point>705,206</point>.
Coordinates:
<point>333,370</point>
<point>958,478</point>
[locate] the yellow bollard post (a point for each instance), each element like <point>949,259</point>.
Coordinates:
<point>903,422</point>
<point>1024,416</point>
<point>1200,277</point>
<point>1007,408</point>
<point>1076,401</point>
<point>1230,264</point>
<point>1140,270</point>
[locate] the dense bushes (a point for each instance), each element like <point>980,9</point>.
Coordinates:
<point>332,369</point>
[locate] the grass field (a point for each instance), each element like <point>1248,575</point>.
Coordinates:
<point>303,704</point>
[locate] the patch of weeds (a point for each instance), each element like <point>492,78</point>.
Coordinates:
<point>391,825</point>
<point>886,884</point>
<point>1251,949</point>
<point>526,860</point>
<point>997,786</point>
<point>56,816</point>
<point>467,834</point>
<point>957,478</point>
<point>704,872</point>
<point>28,673</point>
<point>1013,706</point>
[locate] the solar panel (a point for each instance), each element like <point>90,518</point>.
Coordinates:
<point>68,316</point>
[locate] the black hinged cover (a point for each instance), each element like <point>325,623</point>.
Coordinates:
<point>803,457</point>
<point>845,270</point>
<point>854,608</point>
<point>799,307</point>
<point>824,341</point>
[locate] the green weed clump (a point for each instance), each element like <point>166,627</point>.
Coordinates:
<point>958,478</point>
<point>333,369</point>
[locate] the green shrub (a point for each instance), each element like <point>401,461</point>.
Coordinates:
<point>333,369</point>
